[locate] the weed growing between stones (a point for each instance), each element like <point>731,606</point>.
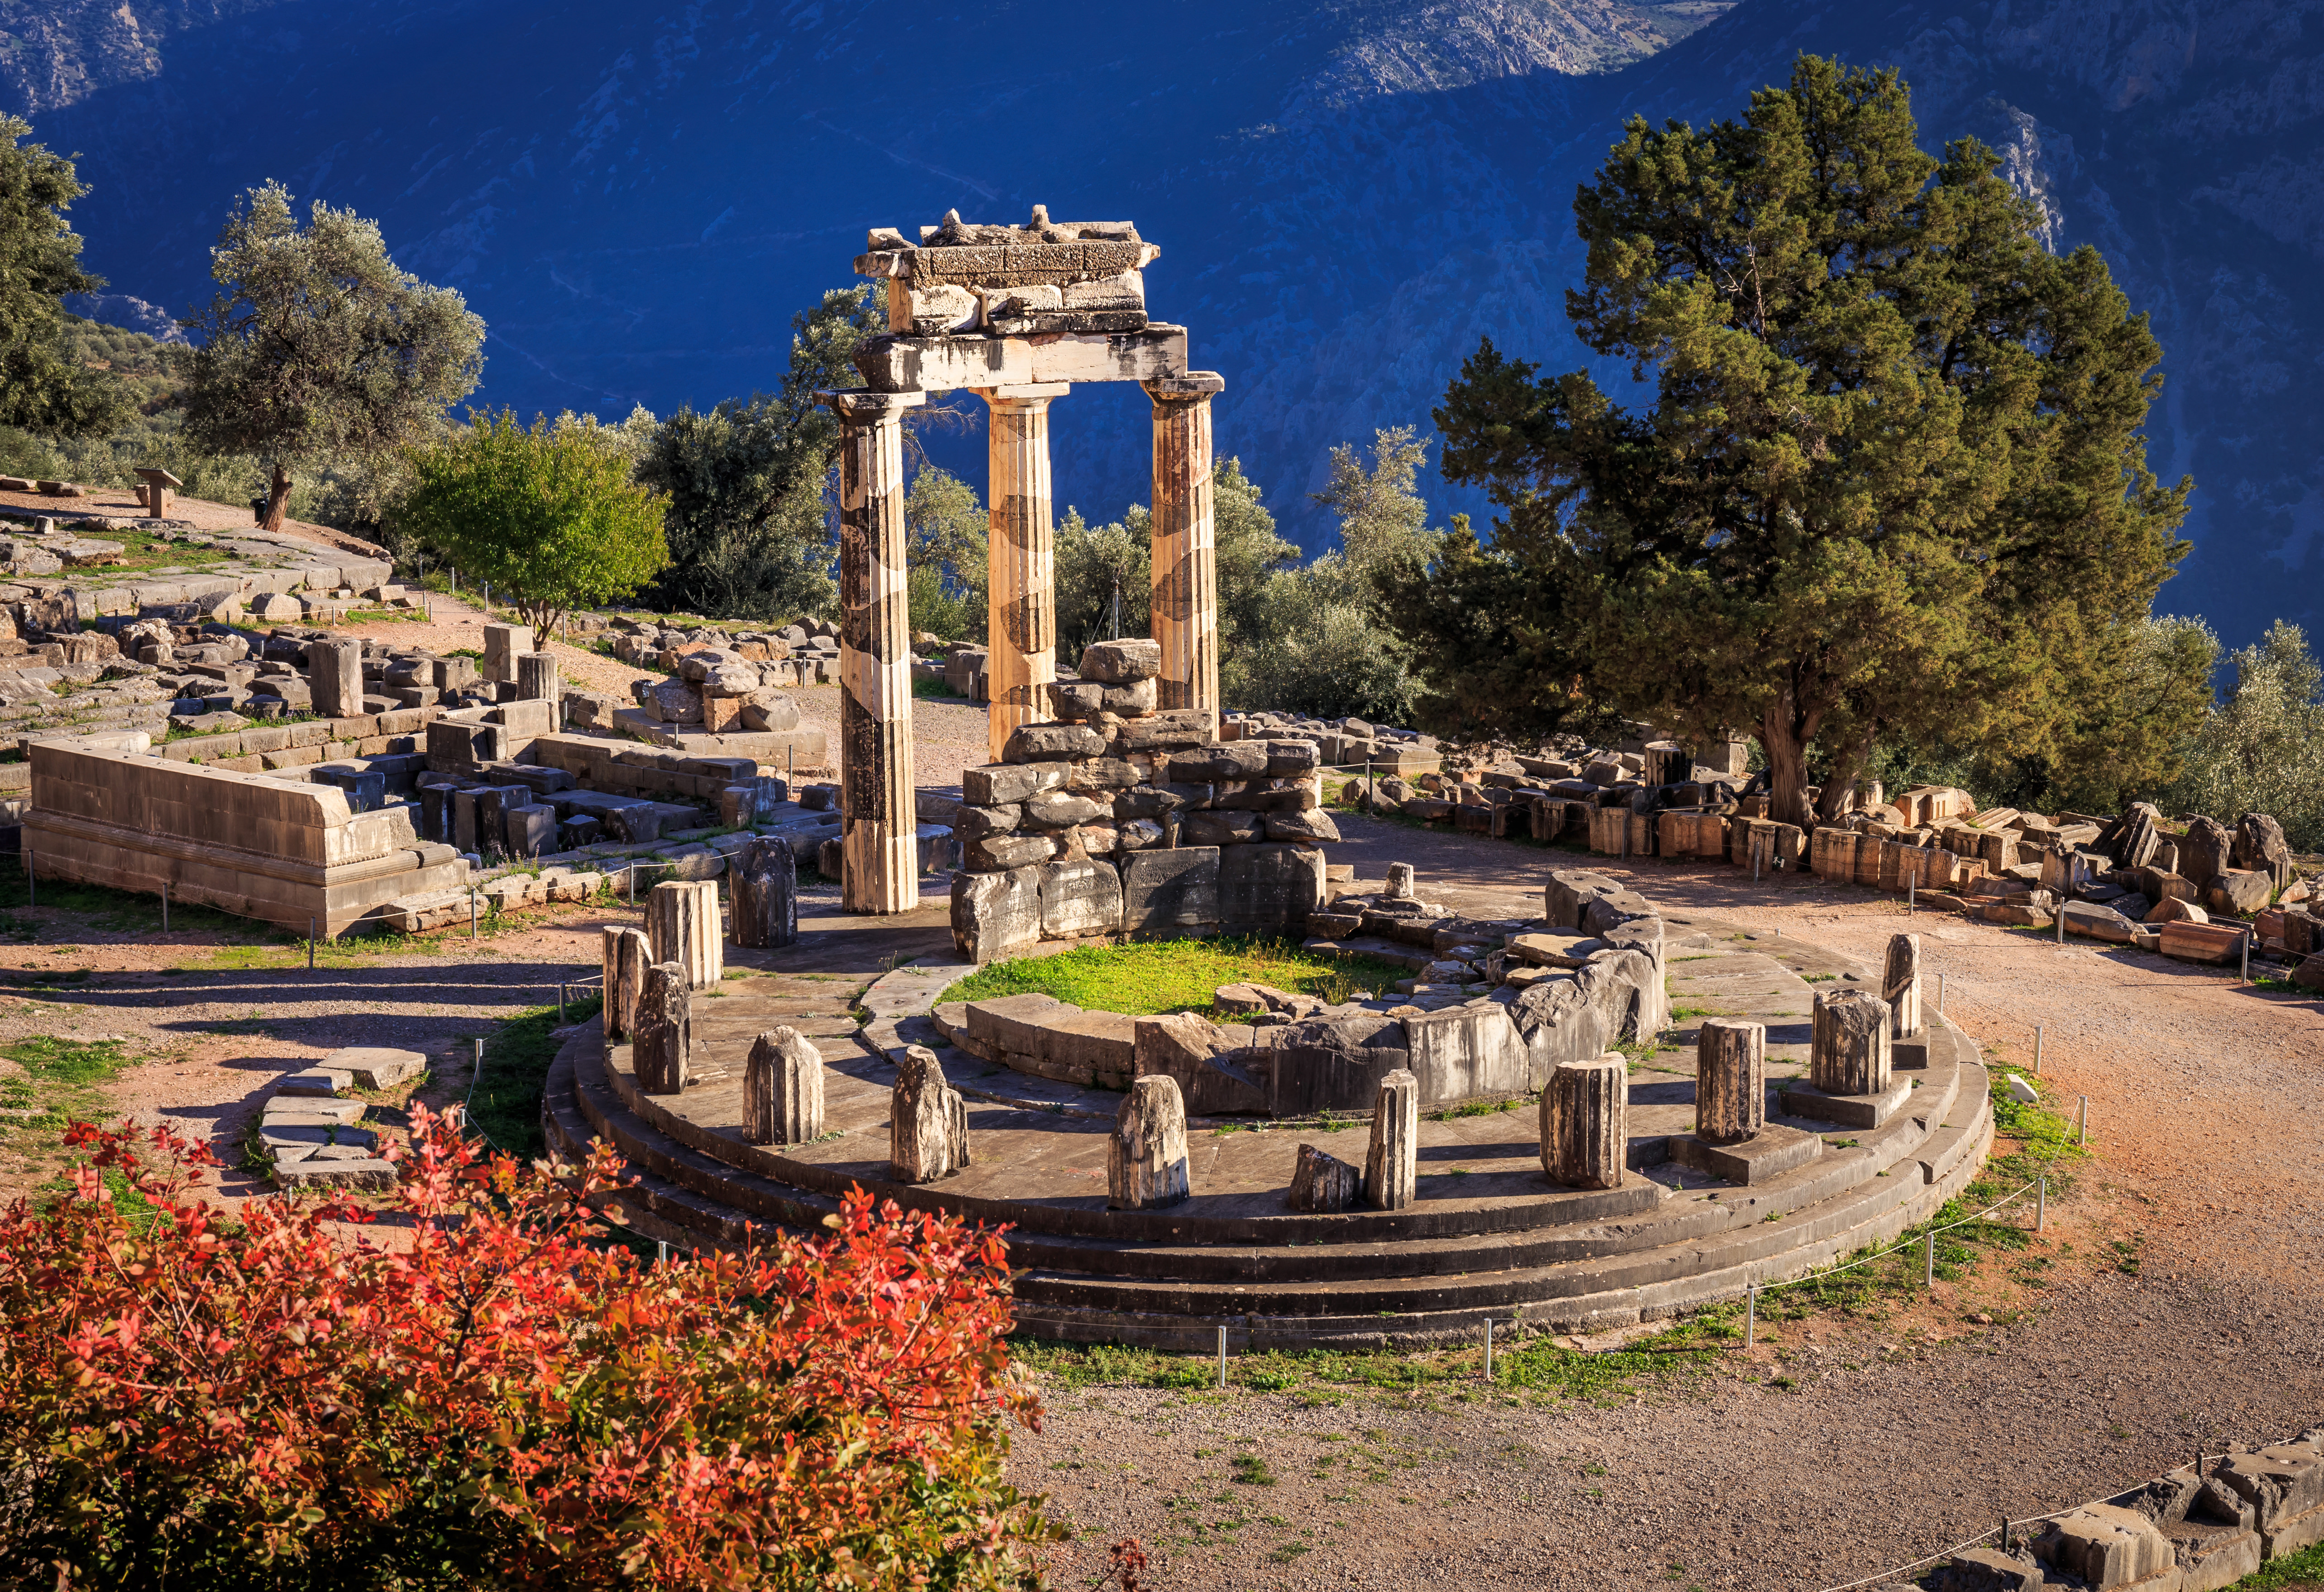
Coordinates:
<point>1175,975</point>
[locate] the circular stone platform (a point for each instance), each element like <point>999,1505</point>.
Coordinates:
<point>1488,1238</point>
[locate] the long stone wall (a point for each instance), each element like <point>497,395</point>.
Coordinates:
<point>282,850</point>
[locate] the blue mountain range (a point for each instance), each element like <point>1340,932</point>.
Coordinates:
<point>1347,193</point>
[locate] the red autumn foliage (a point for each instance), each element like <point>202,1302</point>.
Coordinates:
<point>189,1403</point>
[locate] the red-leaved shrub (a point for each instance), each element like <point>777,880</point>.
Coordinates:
<point>498,1402</point>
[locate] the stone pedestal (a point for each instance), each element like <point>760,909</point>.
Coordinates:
<point>1900,986</point>
<point>502,642</point>
<point>881,867</point>
<point>782,1089</point>
<point>1731,1080</point>
<point>536,677</point>
<point>1585,1123</point>
<point>1021,601</point>
<point>682,922</point>
<point>628,954</point>
<point>1186,542</point>
<point>663,1042</point>
<point>1848,1052</point>
<point>928,1121</point>
<point>1401,886</point>
<point>335,677</point>
<point>764,879</point>
<point>1321,1181</point>
<point>1392,1167</point>
<point>1146,1164</point>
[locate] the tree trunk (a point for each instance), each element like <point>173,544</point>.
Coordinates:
<point>1839,785</point>
<point>544,625</point>
<point>1785,732</point>
<point>278,493</point>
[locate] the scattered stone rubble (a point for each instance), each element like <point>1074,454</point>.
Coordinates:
<point>1125,818</point>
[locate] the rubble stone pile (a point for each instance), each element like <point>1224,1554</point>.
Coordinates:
<point>801,654</point>
<point>1125,818</point>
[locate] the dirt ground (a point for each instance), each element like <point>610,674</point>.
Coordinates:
<point>2178,1305</point>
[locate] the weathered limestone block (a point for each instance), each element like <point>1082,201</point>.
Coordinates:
<point>2239,892</point>
<point>1268,885</point>
<point>782,1089</point>
<point>996,915</point>
<point>1558,1019</point>
<point>764,881</point>
<point>1585,1123</point>
<point>1121,662</point>
<point>335,677</point>
<point>2104,1546</point>
<point>502,642</point>
<point>1079,897</point>
<point>1211,1062</point>
<point>2205,851</point>
<point>1400,883</point>
<point>1392,1165</point>
<point>1327,1063</point>
<point>1145,1162</point>
<point>628,955</point>
<point>1731,1080</point>
<point>683,922</point>
<point>1321,1181</point>
<point>1461,1051</point>
<point>1900,985</point>
<point>663,1043</point>
<point>928,1122</point>
<point>1849,1048</point>
<point>2260,847</point>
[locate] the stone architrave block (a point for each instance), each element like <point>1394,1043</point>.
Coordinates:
<point>682,921</point>
<point>335,677</point>
<point>1585,1137</point>
<point>1268,885</point>
<point>1731,1080</point>
<point>1900,985</point>
<point>1848,1050</point>
<point>1323,1182</point>
<point>1558,1019</point>
<point>996,915</point>
<point>1466,1050</point>
<point>628,955</point>
<point>664,1040</point>
<point>763,878</point>
<point>928,1121</point>
<point>1392,1164</point>
<point>1079,897</point>
<point>1146,1161</point>
<point>1163,891</point>
<point>782,1089</point>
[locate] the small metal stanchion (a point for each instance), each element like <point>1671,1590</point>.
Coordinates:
<point>2041,1203</point>
<point>1223,1357</point>
<point>2037,1051</point>
<point>1931,1270</point>
<point>2245,976</point>
<point>1908,897</point>
<point>661,1251</point>
<point>1488,1348</point>
<point>472,914</point>
<point>1751,1315</point>
<point>2061,922</point>
<point>311,945</point>
<point>560,1005</point>
<point>1941,994</point>
<point>2085,1137</point>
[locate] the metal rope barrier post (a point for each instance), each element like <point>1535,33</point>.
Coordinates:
<point>1488,1348</point>
<point>165,906</point>
<point>2086,1120</point>
<point>561,1002</point>
<point>311,945</point>
<point>2061,922</point>
<point>1908,897</point>
<point>2037,1051</point>
<point>2042,1204</point>
<point>1223,1357</point>
<point>1751,1315</point>
<point>2245,976</point>
<point>1941,994</point>
<point>1930,1274</point>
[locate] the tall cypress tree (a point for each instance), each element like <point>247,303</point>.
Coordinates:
<point>1891,481</point>
<point>42,387</point>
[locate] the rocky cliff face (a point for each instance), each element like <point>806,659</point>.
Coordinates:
<point>1348,192</point>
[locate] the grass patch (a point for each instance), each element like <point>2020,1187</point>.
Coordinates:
<point>2299,1573</point>
<point>505,1103</point>
<point>936,691</point>
<point>1175,975</point>
<point>124,912</point>
<point>62,1080</point>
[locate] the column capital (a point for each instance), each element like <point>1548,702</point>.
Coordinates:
<point>1028,396</point>
<point>861,406</point>
<point>1196,385</point>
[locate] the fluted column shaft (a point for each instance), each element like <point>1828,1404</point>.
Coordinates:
<point>878,822</point>
<point>1186,542</point>
<point>1021,590</point>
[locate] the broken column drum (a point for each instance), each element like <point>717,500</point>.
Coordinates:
<point>536,676</point>
<point>628,955</point>
<point>764,881</point>
<point>1849,1048</point>
<point>1186,542</point>
<point>928,1121</point>
<point>1585,1123</point>
<point>880,869</point>
<point>782,1089</point>
<point>664,1040</point>
<point>1146,1162</point>
<point>1392,1168</point>
<point>1731,1080</point>
<point>1900,985</point>
<point>682,921</point>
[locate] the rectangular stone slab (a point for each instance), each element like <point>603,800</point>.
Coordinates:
<point>1775,1149</point>
<point>1856,1110</point>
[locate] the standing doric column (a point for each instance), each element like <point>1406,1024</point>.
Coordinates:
<point>1021,593</point>
<point>1186,542</point>
<point>878,819</point>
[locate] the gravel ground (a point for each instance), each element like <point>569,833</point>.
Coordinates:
<point>1896,1437</point>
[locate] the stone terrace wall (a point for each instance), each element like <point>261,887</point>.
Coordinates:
<point>1121,819</point>
<point>278,849</point>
